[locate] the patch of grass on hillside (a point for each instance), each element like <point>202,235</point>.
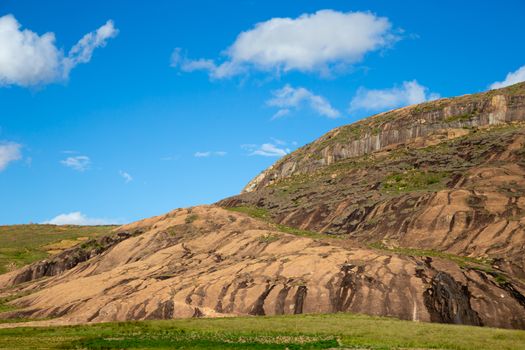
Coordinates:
<point>254,212</point>
<point>413,180</point>
<point>23,244</point>
<point>275,332</point>
<point>191,218</point>
<point>462,117</point>
<point>264,214</point>
<point>463,261</point>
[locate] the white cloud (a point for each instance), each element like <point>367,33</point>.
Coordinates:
<point>29,59</point>
<point>127,177</point>
<point>511,78</point>
<point>202,154</point>
<point>9,152</point>
<point>289,98</point>
<point>266,150</point>
<point>379,100</point>
<point>209,154</point>
<point>79,163</point>
<point>317,42</point>
<point>77,218</point>
<point>83,49</point>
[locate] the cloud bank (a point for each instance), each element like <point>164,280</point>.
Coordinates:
<point>29,59</point>
<point>77,218</point>
<point>289,98</point>
<point>321,42</point>
<point>411,92</point>
<point>512,78</point>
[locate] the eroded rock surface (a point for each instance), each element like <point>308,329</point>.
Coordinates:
<point>208,261</point>
<point>424,124</point>
<point>417,213</point>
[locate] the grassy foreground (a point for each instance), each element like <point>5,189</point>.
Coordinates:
<point>23,244</point>
<point>277,332</point>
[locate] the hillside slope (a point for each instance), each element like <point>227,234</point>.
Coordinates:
<point>460,189</point>
<point>23,244</point>
<point>207,261</point>
<point>417,213</point>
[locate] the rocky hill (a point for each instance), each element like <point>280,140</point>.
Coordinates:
<point>417,213</point>
<point>446,175</point>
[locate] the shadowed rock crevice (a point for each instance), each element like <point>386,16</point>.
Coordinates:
<point>449,302</point>
<point>258,307</point>
<point>299,299</point>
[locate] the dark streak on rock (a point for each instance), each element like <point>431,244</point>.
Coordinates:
<point>448,301</point>
<point>258,306</point>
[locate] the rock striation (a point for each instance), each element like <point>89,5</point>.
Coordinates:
<point>417,213</point>
<point>208,262</point>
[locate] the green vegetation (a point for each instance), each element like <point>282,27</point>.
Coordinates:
<point>462,117</point>
<point>462,261</point>
<point>23,244</point>
<point>191,218</point>
<point>276,332</point>
<point>480,264</point>
<point>413,180</point>
<point>268,238</point>
<point>264,214</point>
<point>254,212</point>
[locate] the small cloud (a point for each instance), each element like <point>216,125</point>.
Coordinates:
<point>77,218</point>
<point>9,152</point>
<point>209,154</point>
<point>288,98</point>
<point>281,113</point>
<point>512,78</point>
<point>168,158</point>
<point>127,177</point>
<point>379,100</point>
<point>29,59</point>
<point>202,154</point>
<point>78,163</point>
<point>278,142</point>
<point>266,150</point>
<point>325,41</point>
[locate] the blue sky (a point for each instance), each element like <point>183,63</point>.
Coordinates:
<point>135,108</point>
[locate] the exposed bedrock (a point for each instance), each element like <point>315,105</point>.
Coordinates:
<point>422,124</point>
<point>213,262</point>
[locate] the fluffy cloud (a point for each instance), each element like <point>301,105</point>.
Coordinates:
<point>77,218</point>
<point>78,163</point>
<point>29,59</point>
<point>317,42</point>
<point>209,154</point>
<point>379,100</point>
<point>9,152</point>
<point>289,98</point>
<point>126,176</point>
<point>267,149</point>
<point>511,78</point>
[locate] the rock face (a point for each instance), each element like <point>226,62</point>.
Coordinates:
<point>423,123</point>
<point>207,261</point>
<point>417,213</point>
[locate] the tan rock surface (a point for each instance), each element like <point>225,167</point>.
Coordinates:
<point>208,262</point>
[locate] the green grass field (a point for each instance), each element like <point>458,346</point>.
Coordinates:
<point>278,332</point>
<point>23,244</point>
